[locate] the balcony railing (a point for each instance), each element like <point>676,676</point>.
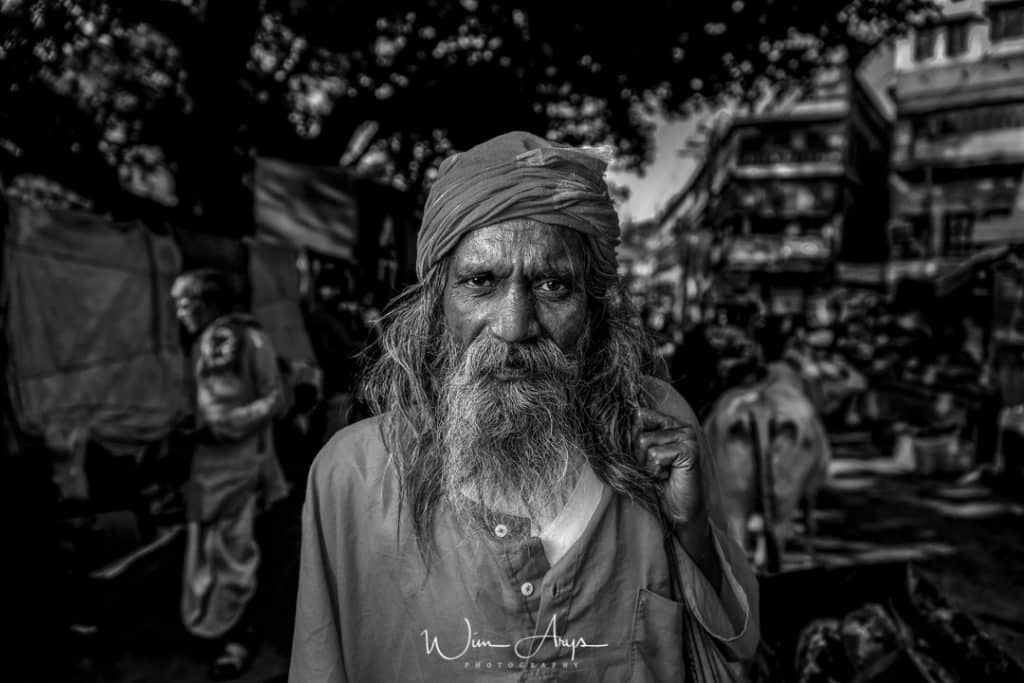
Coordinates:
<point>790,156</point>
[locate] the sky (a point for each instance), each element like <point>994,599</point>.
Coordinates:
<point>664,176</point>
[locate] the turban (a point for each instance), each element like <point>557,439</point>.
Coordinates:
<point>515,176</point>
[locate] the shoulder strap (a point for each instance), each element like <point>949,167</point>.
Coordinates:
<point>704,661</point>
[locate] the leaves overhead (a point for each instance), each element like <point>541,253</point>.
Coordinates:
<point>97,90</point>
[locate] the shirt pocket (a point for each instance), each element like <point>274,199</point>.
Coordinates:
<point>656,650</point>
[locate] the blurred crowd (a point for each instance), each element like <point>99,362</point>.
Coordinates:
<point>904,365</point>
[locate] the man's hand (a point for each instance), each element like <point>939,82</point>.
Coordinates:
<point>237,423</point>
<point>670,451</point>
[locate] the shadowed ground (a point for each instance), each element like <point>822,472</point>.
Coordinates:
<point>964,539</point>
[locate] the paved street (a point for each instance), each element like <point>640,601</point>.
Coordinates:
<point>968,541</point>
<point>140,638</point>
<point>965,539</point>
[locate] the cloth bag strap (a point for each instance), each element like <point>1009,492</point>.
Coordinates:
<point>704,660</point>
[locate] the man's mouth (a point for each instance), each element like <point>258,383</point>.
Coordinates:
<point>511,374</point>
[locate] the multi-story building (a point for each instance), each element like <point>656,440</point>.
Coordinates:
<point>958,149</point>
<point>786,190</point>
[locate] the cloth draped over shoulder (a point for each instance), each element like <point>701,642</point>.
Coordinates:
<point>515,176</point>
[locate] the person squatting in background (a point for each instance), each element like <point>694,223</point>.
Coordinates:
<point>237,393</point>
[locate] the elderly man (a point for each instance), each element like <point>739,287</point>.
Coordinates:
<point>526,504</point>
<point>237,394</point>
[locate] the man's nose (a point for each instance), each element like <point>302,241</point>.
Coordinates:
<point>516,317</point>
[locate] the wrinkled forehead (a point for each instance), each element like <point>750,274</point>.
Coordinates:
<point>523,243</point>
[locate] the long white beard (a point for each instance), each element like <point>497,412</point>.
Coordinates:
<point>511,445</point>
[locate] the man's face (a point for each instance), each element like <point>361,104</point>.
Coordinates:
<point>516,309</point>
<point>192,312</point>
<point>519,284</point>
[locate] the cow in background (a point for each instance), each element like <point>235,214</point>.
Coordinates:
<point>772,451</point>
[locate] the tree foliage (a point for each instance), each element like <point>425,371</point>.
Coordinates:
<point>101,92</point>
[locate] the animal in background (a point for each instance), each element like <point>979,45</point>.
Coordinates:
<point>772,453</point>
<point>830,381</point>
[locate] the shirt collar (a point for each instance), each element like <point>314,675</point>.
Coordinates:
<point>568,526</point>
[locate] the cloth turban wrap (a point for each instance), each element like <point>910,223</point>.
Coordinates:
<point>516,176</point>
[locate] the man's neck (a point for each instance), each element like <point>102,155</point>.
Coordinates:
<point>553,501</point>
<point>560,528</point>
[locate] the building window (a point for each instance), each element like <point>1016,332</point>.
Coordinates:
<point>956,39</point>
<point>1007,21</point>
<point>959,234</point>
<point>970,120</point>
<point>924,43</point>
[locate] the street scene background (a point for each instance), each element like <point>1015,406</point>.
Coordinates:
<point>826,196</point>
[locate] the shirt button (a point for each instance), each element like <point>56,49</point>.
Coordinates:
<point>501,531</point>
<point>526,589</point>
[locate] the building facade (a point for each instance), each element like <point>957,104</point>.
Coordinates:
<point>785,191</point>
<point>958,153</point>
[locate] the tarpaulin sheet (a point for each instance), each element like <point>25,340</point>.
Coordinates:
<point>274,278</point>
<point>90,328</point>
<point>306,206</point>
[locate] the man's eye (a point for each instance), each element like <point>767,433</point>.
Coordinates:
<point>553,286</point>
<point>478,281</point>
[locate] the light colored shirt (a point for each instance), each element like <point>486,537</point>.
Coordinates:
<point>239,392</point>
<point>566,528</point>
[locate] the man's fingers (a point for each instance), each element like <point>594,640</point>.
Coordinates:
<point>660,459</point>
<point>664,443</point>
<point>649,420</point>
<point>665,436</point>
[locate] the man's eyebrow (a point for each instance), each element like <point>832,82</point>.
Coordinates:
<point>474,265</point>
<point>560,268</point>
<point>562,265</point>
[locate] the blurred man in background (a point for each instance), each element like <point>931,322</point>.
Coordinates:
<point>237,393</point>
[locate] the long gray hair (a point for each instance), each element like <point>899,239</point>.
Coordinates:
<point>404,375</point>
